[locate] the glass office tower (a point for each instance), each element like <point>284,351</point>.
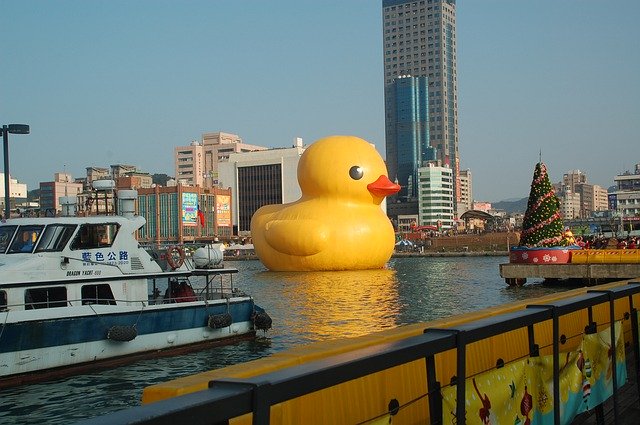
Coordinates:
<point>411,131</point>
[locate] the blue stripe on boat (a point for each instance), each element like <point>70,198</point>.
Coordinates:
<point>76,330</point>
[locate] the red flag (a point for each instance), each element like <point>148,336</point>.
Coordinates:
<point>201,217</point>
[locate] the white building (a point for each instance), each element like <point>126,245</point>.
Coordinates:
<point>466,192</point>
<point>260,178</point>
<point>569,204</point>
<point>435,196</point>
<point>627,193</point>
<point>578,198</point>
<point>17,191</point>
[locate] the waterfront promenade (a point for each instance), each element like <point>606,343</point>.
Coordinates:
<point>463,245</point>
<point>467,242</point>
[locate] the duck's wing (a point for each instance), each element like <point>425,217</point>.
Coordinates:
<point>297,237</point>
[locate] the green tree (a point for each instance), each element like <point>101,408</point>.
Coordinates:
<point>542,225</point>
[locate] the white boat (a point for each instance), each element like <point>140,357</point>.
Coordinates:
<point>77,293</point>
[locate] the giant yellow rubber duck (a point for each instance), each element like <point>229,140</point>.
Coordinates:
<point>337,224</point>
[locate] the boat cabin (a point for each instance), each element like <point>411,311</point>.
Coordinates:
<point>56,262</point>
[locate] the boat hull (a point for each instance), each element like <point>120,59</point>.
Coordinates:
<point>79,339</point>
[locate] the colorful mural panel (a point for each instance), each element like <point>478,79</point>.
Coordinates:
<point>521,392</point>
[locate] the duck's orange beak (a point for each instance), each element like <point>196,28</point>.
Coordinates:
<point>383,187</point>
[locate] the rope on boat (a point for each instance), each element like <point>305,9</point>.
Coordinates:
<point>4,325</point>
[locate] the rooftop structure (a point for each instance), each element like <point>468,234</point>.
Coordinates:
<point>197,163</point>
<point>260,178</point>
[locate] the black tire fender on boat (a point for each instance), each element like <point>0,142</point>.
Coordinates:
<point>261,320</point>
<point>219,321</point>
<point>122,333</point>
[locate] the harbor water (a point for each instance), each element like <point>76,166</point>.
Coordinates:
<point>305,307</point>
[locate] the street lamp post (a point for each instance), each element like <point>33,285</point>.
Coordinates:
<point>6,129</point>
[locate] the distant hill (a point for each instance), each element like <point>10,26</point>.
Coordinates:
<point>160,179</point>
<point>33,195</point>
<point>511,206</point>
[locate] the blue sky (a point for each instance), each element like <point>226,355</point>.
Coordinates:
<point>107,82</point>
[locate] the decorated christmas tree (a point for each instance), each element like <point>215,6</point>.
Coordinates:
<point>542,225</point>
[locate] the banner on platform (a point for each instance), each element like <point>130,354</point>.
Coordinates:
<point>521,392</point>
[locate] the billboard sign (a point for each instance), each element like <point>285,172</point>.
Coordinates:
<point>613,201</point>
<point>223,210</point>
<point>189,209</point>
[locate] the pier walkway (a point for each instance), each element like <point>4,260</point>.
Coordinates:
<point>409,374</point>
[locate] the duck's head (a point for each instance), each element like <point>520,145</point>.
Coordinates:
<point>344,167</point>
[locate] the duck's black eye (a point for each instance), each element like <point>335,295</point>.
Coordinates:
<point>356,172</point>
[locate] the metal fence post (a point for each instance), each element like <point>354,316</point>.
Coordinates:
<point>556,367</point>
<point>612,320</point>
<point>261,404</point>
<point>636,344</point>
<point>636,338</point>
<point>461,371</point>
<point>534,349</point>
<point>433,392</point>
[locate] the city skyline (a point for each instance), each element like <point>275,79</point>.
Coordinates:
<point>120,82</point>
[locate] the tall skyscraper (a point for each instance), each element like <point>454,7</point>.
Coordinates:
<point>420,41</point>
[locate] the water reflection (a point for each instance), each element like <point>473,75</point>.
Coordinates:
<point>432,288</point>
<point>321,305</point>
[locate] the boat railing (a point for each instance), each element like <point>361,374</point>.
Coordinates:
<point>200,294</point>
<point>208,284</point>
<point>230,398</point>
<point>161,253</point>
<point>41,305</point>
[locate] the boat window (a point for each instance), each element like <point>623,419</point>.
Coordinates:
<point>97,294</point>
<point>55,237</point>
<point>95,236</point>
<point>3,300</point>
<point>45,297</point>
<point>26,239</point>
<point>6,233</point>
